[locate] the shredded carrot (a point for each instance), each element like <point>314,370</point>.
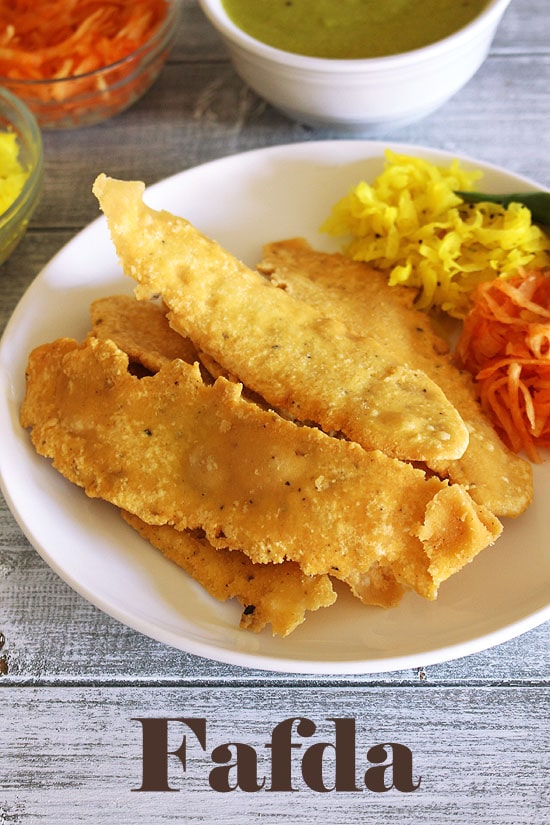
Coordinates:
<point>46,40</point>
<point>505,344</point>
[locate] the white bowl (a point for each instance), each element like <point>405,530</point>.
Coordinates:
<point>359,95</point>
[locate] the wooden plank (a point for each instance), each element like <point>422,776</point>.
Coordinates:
<point>74,756</point>
<point>523,29</point>
<point>476,726</point>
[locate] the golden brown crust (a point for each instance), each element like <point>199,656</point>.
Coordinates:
<point>289,352</point>
<point>266,491</point>
<point>378,586</point>
<point>279,595</point>
<point>141,329</point>
<point>175,451</point>
<point>493,475</point>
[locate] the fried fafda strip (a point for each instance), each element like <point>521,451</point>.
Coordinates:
<point>173,450</point>
<point>275,594</point>
<point>140,329</point>
<point>287,351</point>
<point>380,586</point>
<point>351,290</point>
<point>446,548</point>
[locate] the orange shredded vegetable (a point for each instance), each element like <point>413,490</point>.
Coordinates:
<point>76,62</point>
<point>505,344</point>
<point>48,39</point>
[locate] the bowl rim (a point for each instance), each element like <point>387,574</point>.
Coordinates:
<point>216,13</point>
<point>172,17</point>
<point>33,182</point>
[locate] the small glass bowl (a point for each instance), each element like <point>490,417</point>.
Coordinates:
<point>16,117</point>
<point>81,100</point>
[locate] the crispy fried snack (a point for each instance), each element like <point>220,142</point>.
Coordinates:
<point>378,586</point>
<point>289,352</point>
<point>279,595</point>
<point>140,329</point>
<point>353,291</point>
<point>172,450</point>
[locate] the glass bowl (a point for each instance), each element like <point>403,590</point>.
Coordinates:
<point>84,99</point>
<point>16,118</point>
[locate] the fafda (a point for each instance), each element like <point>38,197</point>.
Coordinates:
<point>236,764</point>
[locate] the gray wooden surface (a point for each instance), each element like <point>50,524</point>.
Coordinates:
<point>72,679</point>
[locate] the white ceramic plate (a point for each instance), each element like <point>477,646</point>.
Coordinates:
<point>243,201</point>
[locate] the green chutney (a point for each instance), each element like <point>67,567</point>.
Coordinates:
<point>351,29</point>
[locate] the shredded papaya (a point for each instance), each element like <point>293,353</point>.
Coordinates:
<point>410,223</point>
<point>505,344</point>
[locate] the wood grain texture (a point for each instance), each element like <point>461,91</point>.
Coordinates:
<point>72,678</point>
<point>78,755</point>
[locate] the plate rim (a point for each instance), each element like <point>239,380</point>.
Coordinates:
<point>261,661</point>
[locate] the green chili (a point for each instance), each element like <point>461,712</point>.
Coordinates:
<point>538,203</point>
